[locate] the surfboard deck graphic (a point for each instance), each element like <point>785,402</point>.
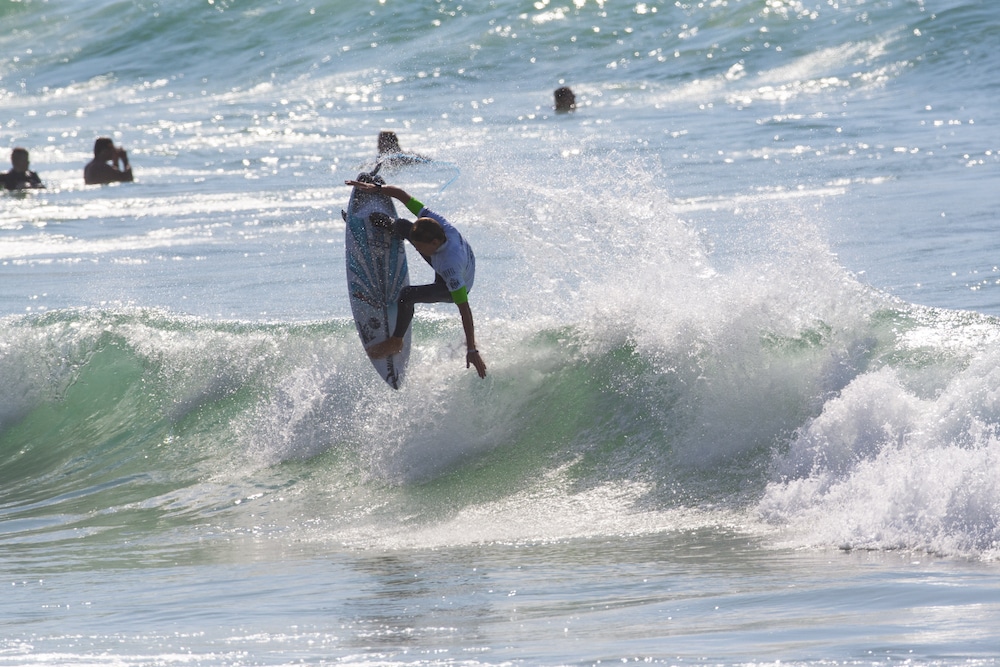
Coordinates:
<point>376,272</point>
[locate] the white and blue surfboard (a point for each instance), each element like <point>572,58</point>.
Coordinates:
<point>376,272</point>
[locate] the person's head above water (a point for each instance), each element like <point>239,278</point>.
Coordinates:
<point>388,142</point>
<point>102,144</point>
<point>19,159</point>
<point>565,99</point>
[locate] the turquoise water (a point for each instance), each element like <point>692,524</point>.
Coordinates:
<point>739,310</point>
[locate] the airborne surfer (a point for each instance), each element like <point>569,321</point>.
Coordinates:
<point>452,259</point>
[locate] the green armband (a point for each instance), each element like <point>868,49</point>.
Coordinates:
<point>415,206</point>
<point>460,296</point>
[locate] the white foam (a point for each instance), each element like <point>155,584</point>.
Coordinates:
<point>889,465</point>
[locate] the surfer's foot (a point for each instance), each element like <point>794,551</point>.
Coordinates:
<point>380,220</point>
<point>386,348</point>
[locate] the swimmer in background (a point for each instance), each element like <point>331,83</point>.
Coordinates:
<point>565,99</point>
<point>110,164</point>
<point>20,177</point>
<point>391,155</point>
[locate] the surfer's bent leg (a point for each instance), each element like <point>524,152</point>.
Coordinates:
<point>436,292</point>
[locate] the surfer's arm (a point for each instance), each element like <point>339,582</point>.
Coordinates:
<point>411,203</point>
<point>472,356</point>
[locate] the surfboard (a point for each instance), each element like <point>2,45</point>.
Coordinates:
<point>376,272</point>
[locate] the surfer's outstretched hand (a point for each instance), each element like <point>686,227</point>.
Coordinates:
<point>387,190</point>
<point>475,359</point>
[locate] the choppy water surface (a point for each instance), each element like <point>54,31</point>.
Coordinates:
<point>739,310</point>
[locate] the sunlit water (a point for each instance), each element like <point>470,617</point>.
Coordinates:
<point>739,310</point>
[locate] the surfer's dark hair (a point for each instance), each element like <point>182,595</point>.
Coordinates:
<point>426,230</point>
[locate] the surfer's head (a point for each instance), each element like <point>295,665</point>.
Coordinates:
<point>427,235</point>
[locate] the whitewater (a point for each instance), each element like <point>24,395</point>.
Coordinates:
<point>740,312</point>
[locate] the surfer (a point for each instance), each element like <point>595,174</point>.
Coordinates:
<point>452,259</point>
<point>110,164</point>
<point>20,177</point>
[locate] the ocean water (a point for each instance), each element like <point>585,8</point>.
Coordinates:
<point>740,312</point>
